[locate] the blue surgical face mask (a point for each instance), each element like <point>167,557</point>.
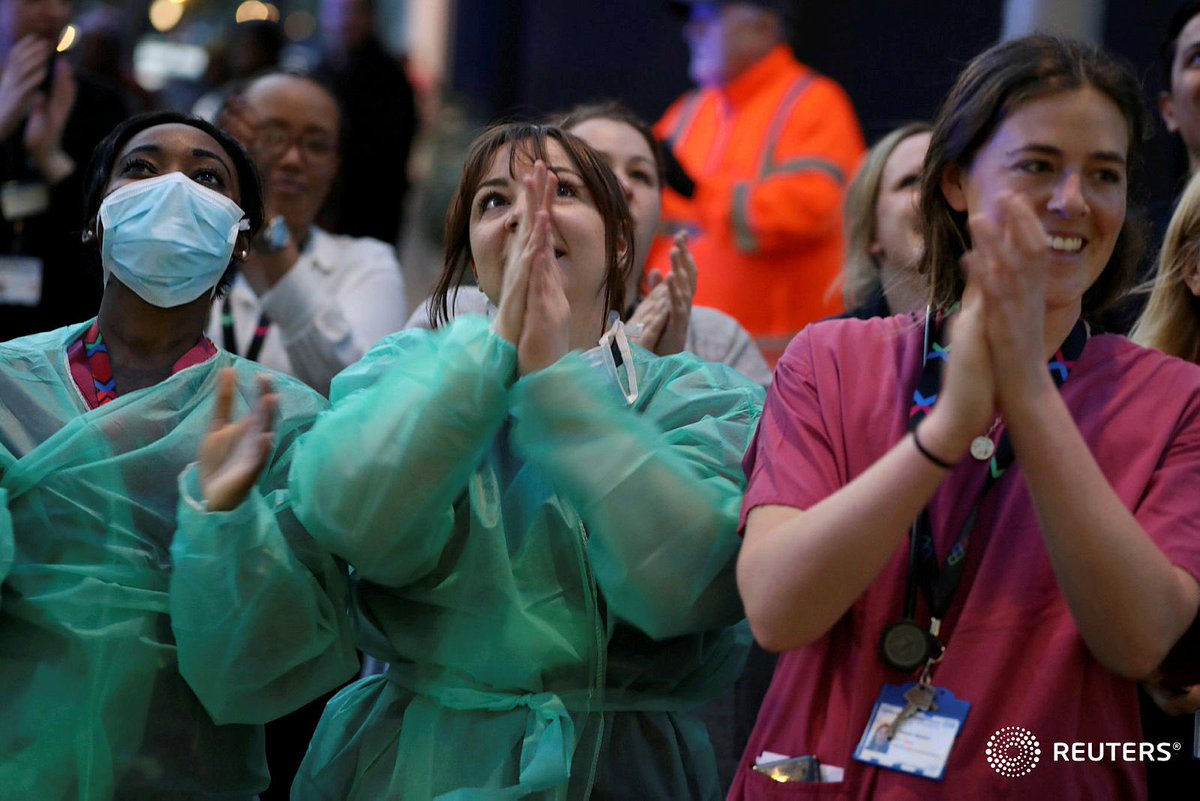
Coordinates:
<point>168,238</point>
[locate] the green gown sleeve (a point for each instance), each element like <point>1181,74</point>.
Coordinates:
<point>421,405</point>
<point>6,540</point>
<point>659,487</point>
<point>258,610</point>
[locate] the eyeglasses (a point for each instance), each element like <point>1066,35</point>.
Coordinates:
<point>316,148</point>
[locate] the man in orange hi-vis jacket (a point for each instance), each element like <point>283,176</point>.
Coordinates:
<point>770,146</point>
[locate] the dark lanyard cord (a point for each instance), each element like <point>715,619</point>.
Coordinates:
<point>229,338</point>
<point>939,584</point>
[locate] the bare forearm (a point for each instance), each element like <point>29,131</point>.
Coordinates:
<point>1129,602</point>
<point>799,571</point>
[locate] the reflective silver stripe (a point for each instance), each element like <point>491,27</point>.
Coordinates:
<point>780,119</point>
<point>743,236</point>
<point>808,165</point>
<point>688,113</point>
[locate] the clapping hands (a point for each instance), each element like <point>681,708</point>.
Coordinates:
<point>666,311</point>
<point>997,348</point>
<point>47,113</point>
<point>233,454</point>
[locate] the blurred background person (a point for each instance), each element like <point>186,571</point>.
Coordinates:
<point>249,49</point>
<point>883,228</point>
<point>50,120</point>
<point>770,145</point>
<point>1179,100</point>
<point>102,51</point>
<point>380,111</point>
<point>305,302</point>
<point>669,321</point>
<point>1171,320</point>
<point>1171,323</point>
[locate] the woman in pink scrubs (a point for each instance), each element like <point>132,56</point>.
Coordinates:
<point>988,507</point>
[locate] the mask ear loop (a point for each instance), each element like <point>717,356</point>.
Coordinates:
<point>614,344</point>
<point>243,225</point>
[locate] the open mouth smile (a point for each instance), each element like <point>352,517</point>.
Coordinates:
<point>1066,244</point>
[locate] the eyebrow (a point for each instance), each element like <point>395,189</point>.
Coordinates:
<point>567,170</point>
<point>198,152</point>
<point>1049,150</point>
<point>493,182</point>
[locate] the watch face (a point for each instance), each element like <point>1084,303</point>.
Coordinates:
<point>275,235</point>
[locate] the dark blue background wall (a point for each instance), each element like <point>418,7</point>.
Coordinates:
<point>896,58</point>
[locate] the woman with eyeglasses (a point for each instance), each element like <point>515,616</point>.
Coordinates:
<point>306,302</point>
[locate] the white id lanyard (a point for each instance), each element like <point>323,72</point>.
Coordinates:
<point>614,346</point>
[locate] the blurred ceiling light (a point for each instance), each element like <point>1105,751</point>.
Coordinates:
<point>255,9</point>
<point>156,61</point>
<point>67,39</point>
<point>299,25</point>
<point>165,15</point>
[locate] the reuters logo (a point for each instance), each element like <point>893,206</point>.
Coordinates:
<point>1013,751</point>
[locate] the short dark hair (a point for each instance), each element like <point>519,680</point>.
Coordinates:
<point>993,85</point>
<point>240,87</point>
<point>1166,51</point>
<point>529,141</point>
<point>100,169</point>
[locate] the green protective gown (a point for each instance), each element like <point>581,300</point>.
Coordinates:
<point>139,636</point>
<point>549,573</point>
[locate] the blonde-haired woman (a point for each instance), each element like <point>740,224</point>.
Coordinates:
<point>883,227</point>
<point>1171,323</point>
<point>1171,320</point>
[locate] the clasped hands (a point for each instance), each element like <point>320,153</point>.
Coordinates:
<point>533,312</point>
<point>997,362</point>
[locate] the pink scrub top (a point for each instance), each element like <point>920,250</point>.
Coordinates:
<point>840,400</point>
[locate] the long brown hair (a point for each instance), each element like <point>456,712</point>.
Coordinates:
<point>993,85</point>
<point>529,143</point>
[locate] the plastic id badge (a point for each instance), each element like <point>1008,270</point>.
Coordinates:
<point>921,745</point>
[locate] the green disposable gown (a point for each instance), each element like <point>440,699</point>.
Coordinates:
<point>549,572</point>
<point>135,649</point>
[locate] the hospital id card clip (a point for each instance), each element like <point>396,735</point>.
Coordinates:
<point>912,729</point>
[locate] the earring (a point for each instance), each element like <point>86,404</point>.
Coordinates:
<point>241,254</point>
<point>88,235</point>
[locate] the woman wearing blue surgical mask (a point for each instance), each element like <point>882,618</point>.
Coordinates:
<point>138,588</point>
<point>541,529</point>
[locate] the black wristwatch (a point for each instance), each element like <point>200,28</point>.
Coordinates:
<point>274,236</point>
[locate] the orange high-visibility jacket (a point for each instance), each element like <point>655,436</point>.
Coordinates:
<point>770,152</point>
